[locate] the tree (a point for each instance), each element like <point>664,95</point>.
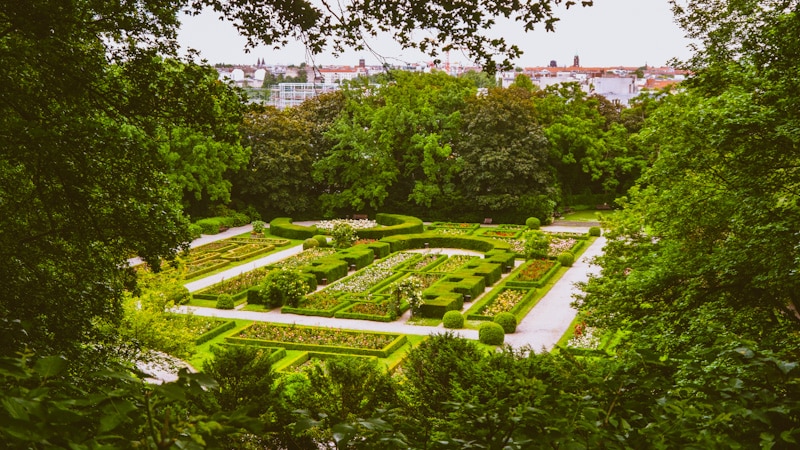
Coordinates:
<point>505,155</point>
<point>276,178</point>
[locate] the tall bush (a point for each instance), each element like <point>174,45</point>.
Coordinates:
<point>283,287</point>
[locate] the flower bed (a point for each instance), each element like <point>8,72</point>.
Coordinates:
<point>326,226</point>
<point>501,233</point>
<point>560,245</point>
<point>377,311</point>
<point>293,337</point>
<point>372,275</point>
<point>504,299</point>
<point>452,231</point>
<point>534,273</point>
<point>452,263</point>
<point>303,258</point>
<point>426,260</point>
<point>238,283</point>
<point>246,251</point>
<point>322,303</point>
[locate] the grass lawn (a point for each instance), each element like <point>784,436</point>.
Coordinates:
<point>587,215</point>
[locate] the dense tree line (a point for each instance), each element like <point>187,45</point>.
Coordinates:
<point>431,145</point>
<point>104,147</point>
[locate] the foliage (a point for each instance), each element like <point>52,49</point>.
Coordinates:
<point>506,320</point>
<point>453,320</point>
<point>322,240</point>
<point>566,259</point>
<point>259,226</point>
<point>537,245</point>
<point>283,287</point>
<point>310,243</point>
<point>594,231</point>
<point>504,151</point>
<point>225,301</point>
<point>343,235</point>
<point>408,289</point>
<point>491,333</point>
<point>533,223</point>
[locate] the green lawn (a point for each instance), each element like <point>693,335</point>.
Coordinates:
<point>587,215</point>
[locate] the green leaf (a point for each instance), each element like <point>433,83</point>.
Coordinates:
<point>50,366</point>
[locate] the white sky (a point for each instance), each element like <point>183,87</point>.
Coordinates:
<point>610,33</point>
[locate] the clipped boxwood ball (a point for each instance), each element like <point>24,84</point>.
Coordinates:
<point>566,259</point>
<point>225,301</point>
<point>321,239</point>
<point>533,223</point>
<point>491,333</point>
<point>310,243</point>
<point>453,320</point>
<point>594,231</point>
<point>506,320</point>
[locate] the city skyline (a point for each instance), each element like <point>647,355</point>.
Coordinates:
<point>610,33</point>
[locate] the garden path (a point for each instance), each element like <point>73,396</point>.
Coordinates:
<point>540,330</point>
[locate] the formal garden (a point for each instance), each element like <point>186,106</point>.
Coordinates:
<point>392,269</point>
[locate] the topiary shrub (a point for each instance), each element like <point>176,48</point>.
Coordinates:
<point>225,301</point>
<point>491,333</point>
<point>310,243</point>
<point>537,244</point>
<point>321,239</point>
<point>533,223</point>
<point>566,259</point>
<point>453,320</point>
<point>343,235</point>
<point>594,231</point>
<point>258,226</point>
<point>506,320</point>
<point>283,287</point>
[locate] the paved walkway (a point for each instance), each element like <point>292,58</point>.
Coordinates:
<point>540,330</point>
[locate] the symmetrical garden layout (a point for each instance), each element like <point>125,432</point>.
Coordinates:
<point>361,282</point>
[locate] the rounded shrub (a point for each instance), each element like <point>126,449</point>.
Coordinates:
<point>491,333</point>
<point>566,259</point>
<point>195,231</point>
<point>283,287</point>
<point>310,243</point>
<point>594,231</point>
<point>453,320</point>
<point>225,301</point>
<point>533,223</point>
<point>506,320</point>
<point>321,239</point>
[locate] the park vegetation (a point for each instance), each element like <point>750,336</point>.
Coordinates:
<point>110,145</point>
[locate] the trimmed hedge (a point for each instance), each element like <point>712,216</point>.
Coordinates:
<point>435,308</point>
<point>453,320</point>
<point>304,357</point>
<point>471,285</point>
<point>283,227</point>
<point>392,224</point>
<point>399,341</point>
<point>490,333</point>
<point>474,312</point>
<point>544,279</point>
<point>345,313</point>
<point>491,272</point>
<point>360,255</point>
<point>381,249</point>
<point>411,241</point>
<point>214,332</point>
<point>506,320</point>
<point>315,312</point>
<point>329,268</point>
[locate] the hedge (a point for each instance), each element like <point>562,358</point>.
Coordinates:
<point>345,313</point>
<point>491,272</point>
<point>283,227</point>
<point>523,304</point>
<point>476,243</point>
<point>381,249</point>
<point>436,307</point>
<point>465,285</point>
<point>214,332</point>
<point>399,341</point>
<point>392,224</point>
<point>544,279</point>
<point>315,312</point>
<point>304,357</point>
<point>328,268</point>
<point>360,255</point>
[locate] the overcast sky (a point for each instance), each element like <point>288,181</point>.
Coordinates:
<point>610,33</point>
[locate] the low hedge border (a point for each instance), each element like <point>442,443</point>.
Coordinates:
<point>205,270</point>
<point>543,280</point>
<point>283,227</point>
<point>491,272</point>
<point>264,249</point>
<point>454,225</point>
<point>392,224</point>
<point>489,299</point>
<point>472,285</point>
<point>435,308</point>
<point>275,353</point>
<point>492,233</point>
<point>411,241</point>
<point>214,332</point>
<point>360,255</point>
<point>344,313</point>
<point>390,348</point>
<point>315,312</point>
<point>302,358</point>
